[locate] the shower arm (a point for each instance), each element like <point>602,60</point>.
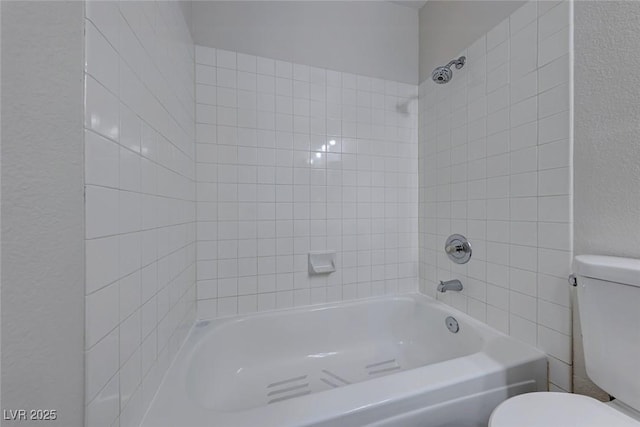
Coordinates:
<point>459,63</point>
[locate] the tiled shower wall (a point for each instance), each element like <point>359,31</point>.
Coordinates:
<point>495,165</point>
<point>292,158</point>
<point>140,202</point>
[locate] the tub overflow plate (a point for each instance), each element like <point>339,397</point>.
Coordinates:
<point>452,324</point>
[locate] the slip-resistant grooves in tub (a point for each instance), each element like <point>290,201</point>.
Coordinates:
<point>379,362</point>
<point>325,380</point>
<point>258,360</point>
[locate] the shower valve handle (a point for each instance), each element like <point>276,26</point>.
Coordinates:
<point>450,249</point>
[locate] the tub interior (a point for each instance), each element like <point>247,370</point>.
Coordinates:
<point>267,359</point>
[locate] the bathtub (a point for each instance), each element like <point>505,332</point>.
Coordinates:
<point>388,361</point>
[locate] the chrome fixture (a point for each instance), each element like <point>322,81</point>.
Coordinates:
<point>452,324</point>
<point>450,285</point>
<point>458,249</point>
<point>403,107</point>
<point>443,74</point>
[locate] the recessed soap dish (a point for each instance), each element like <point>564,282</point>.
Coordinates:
<point>322,262</point>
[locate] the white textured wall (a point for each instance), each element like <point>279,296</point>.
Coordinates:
<point>607,135</point>
<point>451,26</point>
<point>495,166</point>
<point>140,202</point>
<point>42,205</point>
<point>268,192</point>
<point>373,38</point>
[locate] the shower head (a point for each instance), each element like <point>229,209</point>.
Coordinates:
<point>443,74</point>
<point>403,107</point>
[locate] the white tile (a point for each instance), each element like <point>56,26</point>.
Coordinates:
<point>102,262</point>
<point>129,336</point>
<point>226,59</point>
<point>553,128</point>
<point>101,59</point>
<point>554,100</point>
<point>523,330</point>
<point>525,160</point>
<point>284,69</point>
<point>106,17</point>
<point>206,94</point>
<point>546,6</point>
<point>556,19</point>
<point>524,41</point>
<point>101,110</point>
<point>556,344</point>
<point>498,34</point>
<point>130,377</point>
<point>524,112</point>
<point>523,16</point>
<point>554,47</point>
<point>524,233</point>
<point>498,55</point>
<point>101,211</point>
<point>478,48</point>
<point>101,160</point>
<point>205,55</point>
<point>555,317</point>
<point>205,74</point>
<point>523,257</point>
<point>266,66</point>
<point>553,155</point>
<point>554,235</point>
<point>247,63</point>
<point>498,319</point>
<point>226,78</point>
<point>553,182</point>
<point>129,168</point>
<point>130,295</point>
<point>524,87</point>
<point>498,77</point>
<point>524,209</point>
<point>154,124</point>
<point>554,73</point>
<point>524,306</point>
<point>101,363</point>
<point>553,262</point>
<point>104,409</point>
<point>207,308</point>
<point>523,281</point>
<point>101,314</point>
<point>560,374</point>
<point>498,296</point>
<point>553,289</point>
<point>554,208</point>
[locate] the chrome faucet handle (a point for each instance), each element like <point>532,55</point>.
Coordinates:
<point>458,249</point>
<point>450,249</point>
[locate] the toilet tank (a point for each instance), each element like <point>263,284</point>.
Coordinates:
<point>609,305</point>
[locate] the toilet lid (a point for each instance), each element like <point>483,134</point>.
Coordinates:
<point>557,410</point>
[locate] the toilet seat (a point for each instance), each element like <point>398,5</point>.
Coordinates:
<point>547,409</point>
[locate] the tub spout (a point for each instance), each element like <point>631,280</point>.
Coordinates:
<point>450,285</point>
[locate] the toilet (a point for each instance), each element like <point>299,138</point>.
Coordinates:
<point>609,304</point>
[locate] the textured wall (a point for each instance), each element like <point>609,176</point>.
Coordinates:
<point>373,38</point>
<point>140,202</point>
<point>495,165</point>
<point>293,158</point>
<point>42,205</point>
<point>607,135</point>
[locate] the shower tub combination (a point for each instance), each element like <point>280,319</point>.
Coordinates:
<point>389,361</point>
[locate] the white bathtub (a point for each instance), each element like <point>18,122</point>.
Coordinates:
<point>387,361</point>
